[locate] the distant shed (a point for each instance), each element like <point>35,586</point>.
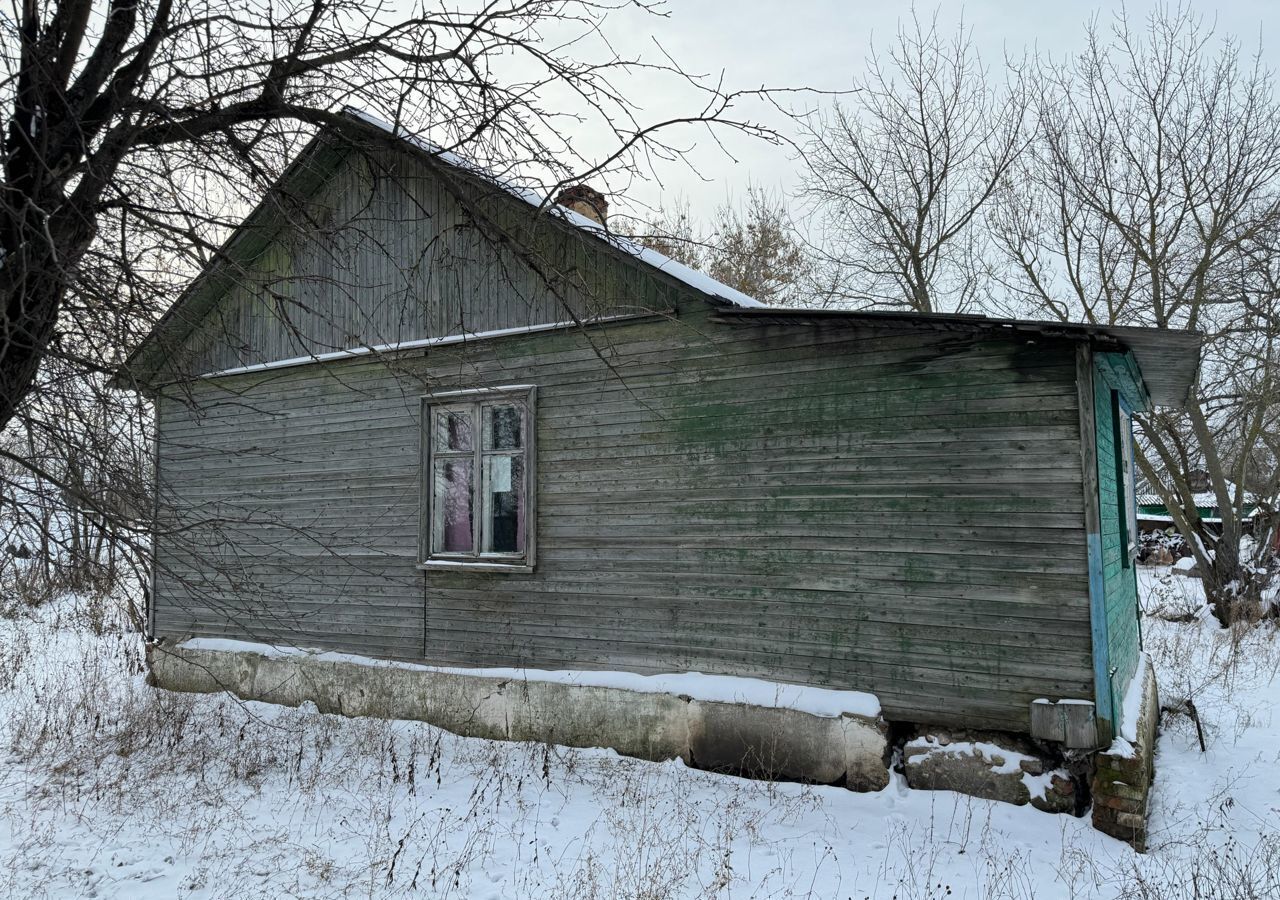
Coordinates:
<point>1154,516</point>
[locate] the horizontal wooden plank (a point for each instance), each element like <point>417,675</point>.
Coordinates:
<point>893,671</point>
<point>630,402</point>
<point>897,512</point>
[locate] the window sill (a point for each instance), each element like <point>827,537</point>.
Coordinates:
<point>450,565</point>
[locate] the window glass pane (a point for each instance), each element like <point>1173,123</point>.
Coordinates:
<point>504,504</point>
<point>502,427</point>
<point>1126,461</point>
<point>452,496</point>
<point>453,430</point>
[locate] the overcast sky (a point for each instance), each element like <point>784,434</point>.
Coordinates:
<point>823,44</point>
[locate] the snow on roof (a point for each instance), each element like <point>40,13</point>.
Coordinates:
<point>1203,499</point>
<point>679,271</point>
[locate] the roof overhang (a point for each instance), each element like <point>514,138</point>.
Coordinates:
<point>1168,358</point>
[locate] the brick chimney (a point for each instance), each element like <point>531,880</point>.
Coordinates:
<point>586,201</point>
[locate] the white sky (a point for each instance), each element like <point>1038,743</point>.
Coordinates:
<point>823,44</point>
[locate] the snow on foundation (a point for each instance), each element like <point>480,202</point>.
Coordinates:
<point>1001,760</point>
<point>1131,709</point>
<point>1123,746</point>
<point>816,701</point>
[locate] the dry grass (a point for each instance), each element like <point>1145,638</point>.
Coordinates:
<point>337,807</point>
<point>253,800</point>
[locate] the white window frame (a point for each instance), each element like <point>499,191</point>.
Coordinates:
<point>523,395</point>
<point>1128,488</point>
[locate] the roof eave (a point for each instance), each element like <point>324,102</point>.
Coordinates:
<point>1168,358</point>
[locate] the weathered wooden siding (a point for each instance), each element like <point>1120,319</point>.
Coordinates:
<point>387,251</point>
<point>1119,580</point>
<point>893,511</point>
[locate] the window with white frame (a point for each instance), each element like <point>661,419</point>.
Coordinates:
<point>478,477</point>
<point>1128,497</point>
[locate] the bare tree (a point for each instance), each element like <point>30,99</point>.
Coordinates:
<point>75,494</point>
<point>898,176</point>
<point>752,246</point>
<point>140,133</point>
<point>169,115</point>
<point>758,251</point>
<point>671,231</point>
<point>1151,196</point>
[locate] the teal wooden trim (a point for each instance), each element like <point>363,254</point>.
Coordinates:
<point>1093,544</point>
<point>1121,431</point>
<point>1101,639</point>
<point>1117,620</point>
<point>1121,373</point>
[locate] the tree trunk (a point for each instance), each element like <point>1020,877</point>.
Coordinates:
<point>1231,585</point>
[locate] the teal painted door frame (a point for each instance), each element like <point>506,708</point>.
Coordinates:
<point>1110,383</point>
<point>1093,538</point>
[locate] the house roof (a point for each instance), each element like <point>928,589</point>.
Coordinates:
<point>679,271</point>
<point>309,169</point>
<point>1169,358</point>
<point>1202,499</point>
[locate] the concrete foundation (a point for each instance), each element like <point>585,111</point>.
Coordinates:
<point>785,743</point>
<point>734,737</point>
<point>754,740</point>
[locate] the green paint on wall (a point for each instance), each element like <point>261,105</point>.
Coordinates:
<point>1116,380</point>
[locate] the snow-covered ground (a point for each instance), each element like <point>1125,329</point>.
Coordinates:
<point>111,789</point>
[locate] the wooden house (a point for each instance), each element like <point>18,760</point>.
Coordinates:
<point>413,413</point>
